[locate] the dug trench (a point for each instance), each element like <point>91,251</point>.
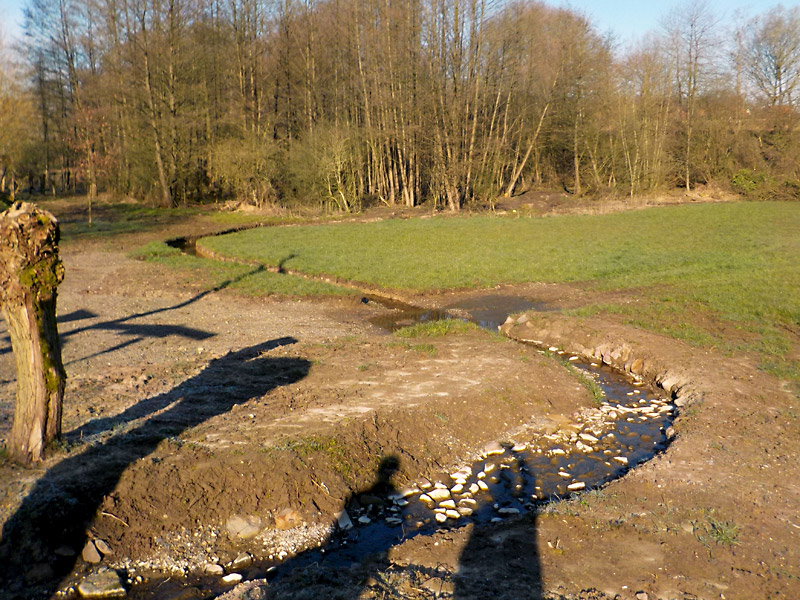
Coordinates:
<point>194,415</point>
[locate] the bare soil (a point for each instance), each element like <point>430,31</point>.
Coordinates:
<point>185,408</point>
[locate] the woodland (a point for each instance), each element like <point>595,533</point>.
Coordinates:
<point>345,104</point>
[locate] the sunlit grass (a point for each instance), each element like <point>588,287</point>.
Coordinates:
<point>245,279</point>
<point>692,265</point>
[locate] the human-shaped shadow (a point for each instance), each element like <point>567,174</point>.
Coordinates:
<point>63,502</point>
<point>352,554</point>
<point>502,559</point>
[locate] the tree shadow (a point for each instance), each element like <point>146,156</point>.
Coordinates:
<point>62,504</point>
<point>136,331</point>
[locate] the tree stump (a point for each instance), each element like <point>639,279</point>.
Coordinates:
<point>30,271</point>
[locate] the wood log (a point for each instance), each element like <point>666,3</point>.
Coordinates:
<point>30,271</point>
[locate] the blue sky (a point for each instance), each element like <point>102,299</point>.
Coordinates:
<point>628,19</point>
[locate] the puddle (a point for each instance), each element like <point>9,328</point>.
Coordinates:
<point>488,311</point>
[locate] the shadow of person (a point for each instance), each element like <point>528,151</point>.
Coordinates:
<point>50,526</point>
<point>501,560</point>
<point>356,550</point>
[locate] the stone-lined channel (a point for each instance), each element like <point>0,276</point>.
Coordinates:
<point>523,473</point>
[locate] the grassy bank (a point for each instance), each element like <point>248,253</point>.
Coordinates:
<point>696,266</point>
<point>245,279</point>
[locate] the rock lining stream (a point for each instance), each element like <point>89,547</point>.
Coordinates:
<point>522,474</point>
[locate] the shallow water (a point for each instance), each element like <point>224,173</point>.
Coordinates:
<point>627,428</point>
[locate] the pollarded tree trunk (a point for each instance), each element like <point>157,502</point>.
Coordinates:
<point>30,271</point>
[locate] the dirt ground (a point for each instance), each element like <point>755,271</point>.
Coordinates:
<point>187,408</point>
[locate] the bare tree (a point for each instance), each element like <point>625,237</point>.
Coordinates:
<point>691,31</point>
<point>774,55</point>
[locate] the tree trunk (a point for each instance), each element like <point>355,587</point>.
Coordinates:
<point>30,271</point>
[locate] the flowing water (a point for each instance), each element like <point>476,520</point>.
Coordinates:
<point>626,428</point>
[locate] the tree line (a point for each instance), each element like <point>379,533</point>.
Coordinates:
<point>455,103</point>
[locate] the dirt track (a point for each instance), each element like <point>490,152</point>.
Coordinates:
<point>185,408</point>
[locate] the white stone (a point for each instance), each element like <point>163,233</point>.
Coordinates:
<point>439,494</point>
<point>578,485</point>
<point>468,502</point>
<point>508,510</point>
<point>447,504</point>
<point>440,517</point>
<point>588,438</point>
<point>553,349</point>
<point>493,448</point>
<point>621,459</point>
<point>232,578</point>
<point>453,514</point>
<point>102,585</point>
<point>426,499</point>
<point>558,452</point>
<point>364,520</point>
<point>489,467</point>
<point>343,520</point>
<point>213,569</point>
<point>464,511</point>
<point>457,488</point>
<point>474,488</point>
<point>519,447</point>
<point>564,474</point>
<point>482,485</point>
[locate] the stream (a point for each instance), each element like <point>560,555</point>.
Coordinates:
<point>627,427</point>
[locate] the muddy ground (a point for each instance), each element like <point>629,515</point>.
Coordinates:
<point>185,408</point>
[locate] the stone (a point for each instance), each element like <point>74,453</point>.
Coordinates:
<point>588,438</point>
<point>232,578</point>
<point>452,514</point>
<point>468,502</point>
<point>464,511</point>
<point>440,517</point>
<point>508,510</point>
<point>90,553</point>
<point>493,448</point>
<point>521,447</point>
<point>103,547</point>
<point>213,569</point>
<point>243,527</point>
<point>288,518</point>
<point>393,521</point>
<point>343,521</point>
<point>578,485</point>
<point>242,561</point>
<point>621,459</point>
<point>457,488</point>
<point>439,494</point>
<point>364,520</point>
<point>447,504</point>
<point>427,500</point>
<point>483,485</point>
<point>258,592</point>
<point>473,488</point>
<point>102,585</point>
<point>642,596</point>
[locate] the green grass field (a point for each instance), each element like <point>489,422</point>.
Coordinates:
<point>733,263</point>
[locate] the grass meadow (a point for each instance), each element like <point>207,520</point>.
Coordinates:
<point>696,269</point>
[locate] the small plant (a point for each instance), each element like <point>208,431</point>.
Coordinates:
<point>438,328</point>
<point>712,529</point>
<point>428,349</point>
